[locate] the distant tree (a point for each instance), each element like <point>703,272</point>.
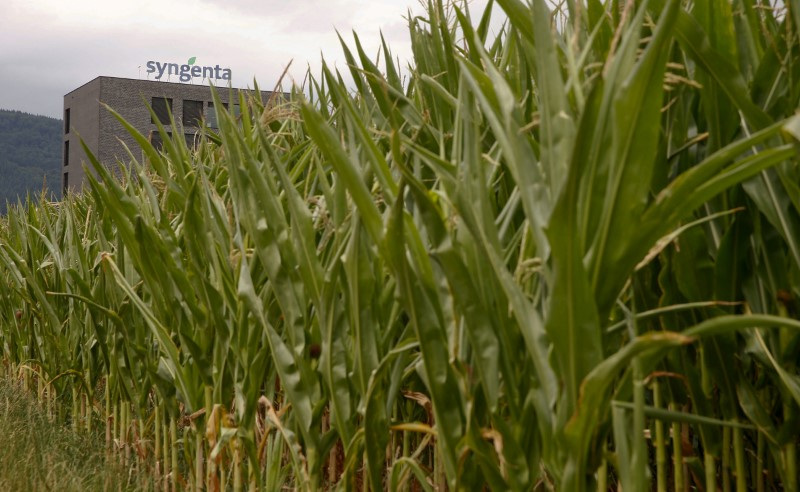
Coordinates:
<point>30,156</point>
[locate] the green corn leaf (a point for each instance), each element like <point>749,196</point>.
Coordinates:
<point>696,44</point>
<point>422,306</point>
<point>689,418</point>
<point>635,115</point>
<point>329,145</point>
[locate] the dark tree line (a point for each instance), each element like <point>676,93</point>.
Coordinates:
<point>30,156</point>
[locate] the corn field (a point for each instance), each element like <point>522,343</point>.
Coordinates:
<point>560,256</point>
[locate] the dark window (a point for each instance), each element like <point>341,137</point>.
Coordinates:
<point>211,115</point>
<point>156,141</point>
<point>66,185</point>
<point>191,140</point>
<point>162,107</point>
<point>66,121</point>
<point>66,153</point>
<point>192,112</point>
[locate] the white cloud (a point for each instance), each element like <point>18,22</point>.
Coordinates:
<point>49,47</point>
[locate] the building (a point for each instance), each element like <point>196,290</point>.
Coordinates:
<point>85,117</point>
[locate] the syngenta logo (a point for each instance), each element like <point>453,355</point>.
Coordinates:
<point>188,71</point>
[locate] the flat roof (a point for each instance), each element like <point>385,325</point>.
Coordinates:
<point>159,82</point>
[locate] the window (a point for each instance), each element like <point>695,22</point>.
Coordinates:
<point>192,112</point>
<point>156,141</point>
<point>211,115</point>
<point>66,121</point>
<point>191,140</point>
<point>65,188</point>
<point>66,153</point>
<point>162,107</point>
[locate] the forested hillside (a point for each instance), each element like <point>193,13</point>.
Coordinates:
<point>30,155</point>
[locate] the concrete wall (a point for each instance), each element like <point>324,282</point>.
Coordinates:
<point>85,124</point>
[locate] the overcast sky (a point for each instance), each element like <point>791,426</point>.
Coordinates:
<point>50,47</point>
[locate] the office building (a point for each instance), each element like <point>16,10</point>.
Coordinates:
<point>86,118</point>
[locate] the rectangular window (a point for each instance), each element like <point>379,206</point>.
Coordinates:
<point>156,141</point>
<point>65,187</point>
<point>211,115</point>
<point>162,107</point>
<point>192,112</point>
<point>66,153</point>
<point>191,140</point>
<point>66,121</point>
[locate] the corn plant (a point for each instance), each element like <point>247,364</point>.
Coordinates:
<point>559,256</point>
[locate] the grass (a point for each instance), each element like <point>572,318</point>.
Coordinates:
<point>39,453</point>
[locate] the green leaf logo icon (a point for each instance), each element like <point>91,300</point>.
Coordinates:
<point>191,60</point>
